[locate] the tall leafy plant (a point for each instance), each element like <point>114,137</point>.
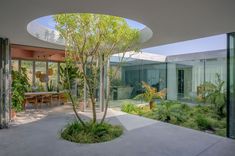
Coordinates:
<point>20,85</point>
<point>215,95</point>
<point>69,74</point>
<point>149,94</point>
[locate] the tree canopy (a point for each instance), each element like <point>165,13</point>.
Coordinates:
<point>90,40</point>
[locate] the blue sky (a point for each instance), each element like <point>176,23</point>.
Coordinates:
<point>49,22</point>
<point>198,45</point>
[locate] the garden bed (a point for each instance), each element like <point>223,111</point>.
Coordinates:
<point>91,133</point>
<point>200,117</point>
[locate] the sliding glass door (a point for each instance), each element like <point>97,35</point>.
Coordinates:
<point>230,85</point>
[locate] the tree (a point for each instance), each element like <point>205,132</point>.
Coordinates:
<point>90,40</point>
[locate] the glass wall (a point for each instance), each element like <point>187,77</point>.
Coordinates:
<point>28,65</point>
<point>15,65</point>
<point>231,88</point>
<point>127,81</point>
<point>188,79</point>
<point>40,83</point>
<point>184,80</point>
<point>53,76</point>
<point>42,76</point>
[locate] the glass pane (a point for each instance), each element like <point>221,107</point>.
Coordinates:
<point>15,65</point>
<point>40,83</point>
<point>131,74</point>
<point>231,89</point>
<point>184,80</point>
<point>53,76</point>
<point>28,65</point>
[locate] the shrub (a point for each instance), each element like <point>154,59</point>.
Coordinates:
<point>20,85</point>
<point>91,133</point>
<point>204,123</point>
<point>190,123</point>
<point>200,117</point>
<point>221,132</point>
<point>129,108</point>
<point>173,112</point>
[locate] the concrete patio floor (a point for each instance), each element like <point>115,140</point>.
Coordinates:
<point>142,137</point>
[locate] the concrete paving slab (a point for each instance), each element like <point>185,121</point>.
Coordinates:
<point>154,139</point>
<point>131,122</point>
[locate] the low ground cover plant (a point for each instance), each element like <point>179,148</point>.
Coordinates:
<point>91,133</point>
<point>200,117</point>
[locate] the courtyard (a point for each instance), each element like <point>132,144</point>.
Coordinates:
<point>117,78</point>
<point>142,136</point>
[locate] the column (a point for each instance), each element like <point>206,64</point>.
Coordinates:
<point>171,82</point>
<point>5,82</point>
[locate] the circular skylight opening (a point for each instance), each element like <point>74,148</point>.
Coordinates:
<point>44,29</point>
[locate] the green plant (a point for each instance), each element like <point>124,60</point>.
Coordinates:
<point>200,117</point>
<point>134,109</point>
<point>172,111</point>
<point>116,82</point>
<point>129,108</point>
<point>149,94</point>
<point>91,133</point>
<point>91,40</point>
<point>50,86</point>
<point>20,85</point>
<point>203,122</point>
<point>69,74</point>
<point>215,95</point>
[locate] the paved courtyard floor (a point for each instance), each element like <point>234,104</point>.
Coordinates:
<point>142,137</point>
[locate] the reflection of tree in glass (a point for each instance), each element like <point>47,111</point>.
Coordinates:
<point>52,36</point>
<point>37,35</point>
<point>28,65</point>
<point>60,39</point>
<point>46,35</point>
<point>53,77</point>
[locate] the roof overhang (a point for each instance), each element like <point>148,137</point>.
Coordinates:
<point>170,21</point>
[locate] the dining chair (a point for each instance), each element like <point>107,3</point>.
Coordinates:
<point>30,99</point>
<point>62,98</point>
<point>47,99</point>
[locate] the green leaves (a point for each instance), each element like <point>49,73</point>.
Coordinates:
<point>84,32</point>
<point>91,133</point>
<point>215,95</point>
<point>149,94</point>
<point>90,40</point>
<point>20,85</point>
<point>69,74</point>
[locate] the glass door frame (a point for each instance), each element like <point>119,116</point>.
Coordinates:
<point>230,85</point>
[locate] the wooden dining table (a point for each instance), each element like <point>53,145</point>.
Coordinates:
<point>40,93</point>
<point>37,96</point>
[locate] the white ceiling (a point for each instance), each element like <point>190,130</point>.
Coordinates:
<point>170,20</point>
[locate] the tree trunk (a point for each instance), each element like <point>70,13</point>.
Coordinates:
<point>151,103</point>
<point>107,95</point>
<point>75,111</point>
<point>93,108</point>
